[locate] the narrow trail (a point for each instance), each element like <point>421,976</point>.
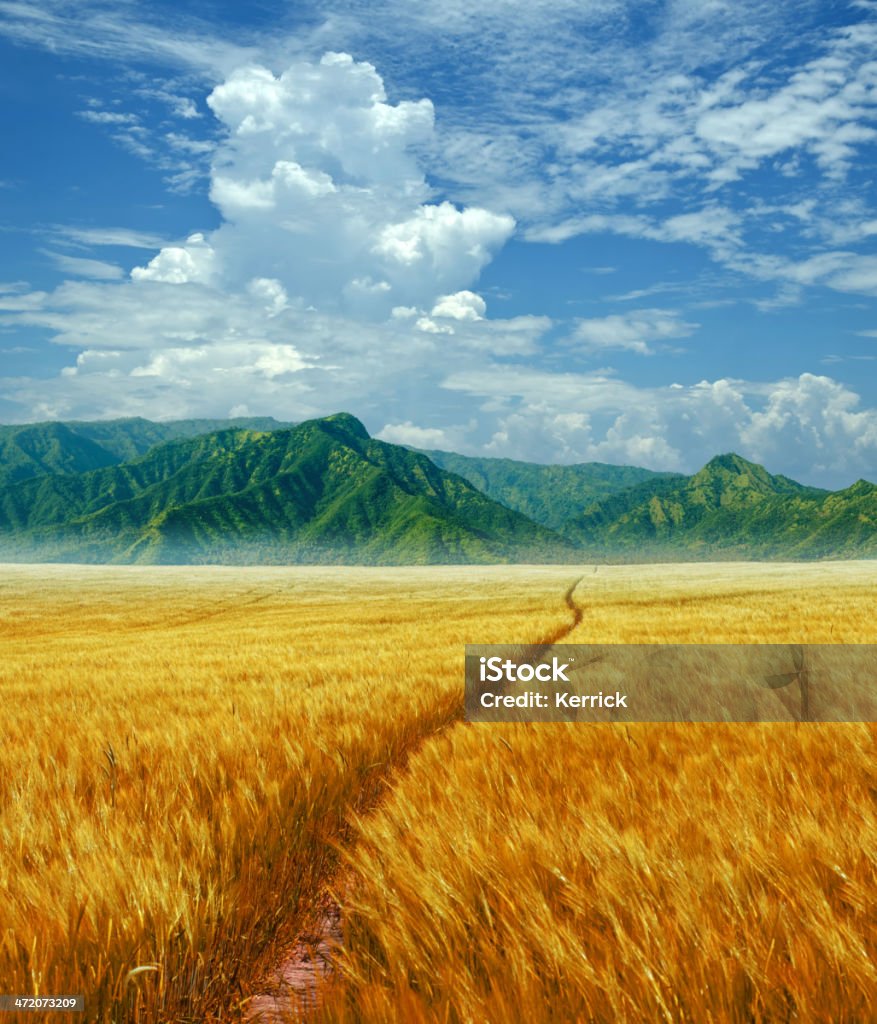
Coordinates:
<point>535,651</point>
<point>307,965</point>
<point>293,989</point>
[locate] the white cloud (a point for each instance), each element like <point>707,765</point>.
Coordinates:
<point>320,188</point>
<point>463,305</point>
<point>196,147</point>
<point>181,106</point>
<point>713,227</point>
<point>16,301</point>
<point>156,348</point>
<point>192,263</point>
<point>443,242</point>
<point>627,120</point>
<point>635,331</point>
<point>843,271</point>
<point>821,109</point>
<point>180,157</point>
<point>667,126</point>
<point>123,237</point>
<point>859,276</point>
<point>95,31</point>
<point>314,291</point>
<point>136,379</point>
<point>185,108</point>
<point>429,326</point>
<point>417,437</point>
<point>270,291</point>
<point>809,427</point>
<point>279,359</point>
<point>365,286</point>
<point>99,270</point>
<point>719,231</point>
<point>789,294</point>
<point>816,415</point>
<point>107,117</point>
<point>677,135</point>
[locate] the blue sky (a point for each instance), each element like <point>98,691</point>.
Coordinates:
<point>561,231</point>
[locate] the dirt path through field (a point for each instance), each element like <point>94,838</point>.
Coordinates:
<point>293,989</point>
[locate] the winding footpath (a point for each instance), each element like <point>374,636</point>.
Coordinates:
<point>293,989</point>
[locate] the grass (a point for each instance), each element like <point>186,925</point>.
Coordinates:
<point>182,748</point>
<point>184,751</point>
<point>583,873</point>
<point>650,872</point>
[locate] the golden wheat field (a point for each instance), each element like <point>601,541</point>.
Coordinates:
<point>194,757</point>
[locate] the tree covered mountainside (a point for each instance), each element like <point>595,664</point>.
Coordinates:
<point>735,507</point>
<point>552,495</point>
<point>255,490</point>
<point>35,449</point>
<point>323,491</point>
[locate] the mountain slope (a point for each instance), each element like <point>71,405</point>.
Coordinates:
<point>732,506</point>
<point>44,448</point>
<point>129,438</point>
<point>325,491</point>
<point>550,495</point>
<point>41,449</point>
<point>322,491</point>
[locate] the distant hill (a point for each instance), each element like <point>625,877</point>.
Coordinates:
<point>321,491</point>
<point>731,506</point>
<point>551,495</point>
<point>44,448</point>
<point>38,449</point>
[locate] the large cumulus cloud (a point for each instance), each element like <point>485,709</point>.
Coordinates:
<point>320,187</point>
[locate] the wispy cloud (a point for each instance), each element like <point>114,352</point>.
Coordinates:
<point>89,236</point>
<point>120,33</point>
<point>181,157</point>
<point>635,331</point>
<point>713,227</point>
<point>111,117</point>
<point>77,266</point>
<point>658,288</point>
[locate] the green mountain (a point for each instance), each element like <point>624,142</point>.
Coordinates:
<point>43,448</point>
<point>551,495</point>
<point>322,491</point>
<point>39,449</point>
<point>128,438</point>
<point>735,508</point>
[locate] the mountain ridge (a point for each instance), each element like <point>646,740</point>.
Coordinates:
<point>732,504</point>
<point>325,491</point>
<point>76,446</point>
<point>550,494</point>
